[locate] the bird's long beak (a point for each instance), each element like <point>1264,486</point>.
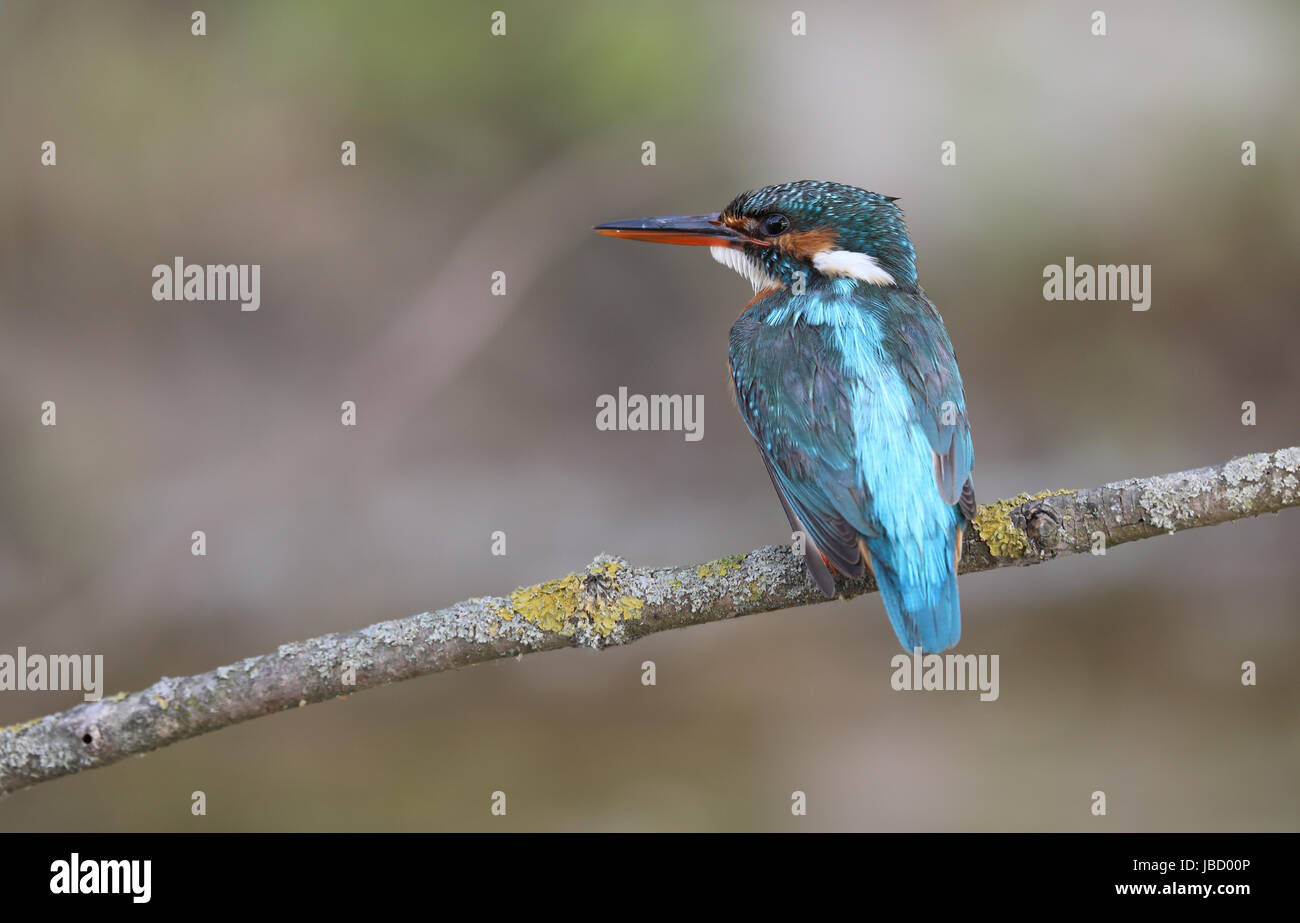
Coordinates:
<point>689,230</point>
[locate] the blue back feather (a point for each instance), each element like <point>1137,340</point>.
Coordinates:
<point>851,392</point>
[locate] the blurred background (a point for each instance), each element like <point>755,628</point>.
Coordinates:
<point>477,413</point>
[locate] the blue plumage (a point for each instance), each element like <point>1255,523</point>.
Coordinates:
<point>847,381</point>
<point>843,388</point>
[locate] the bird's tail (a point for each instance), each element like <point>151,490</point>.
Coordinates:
<point>921,601</point>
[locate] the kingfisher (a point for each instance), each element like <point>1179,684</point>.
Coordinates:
<point>846,379</point>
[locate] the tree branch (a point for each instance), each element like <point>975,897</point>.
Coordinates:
<point>612,603</point>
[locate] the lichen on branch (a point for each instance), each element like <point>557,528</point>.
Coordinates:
<point>610,603</point>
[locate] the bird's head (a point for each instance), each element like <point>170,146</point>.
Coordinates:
<point>825,231</point>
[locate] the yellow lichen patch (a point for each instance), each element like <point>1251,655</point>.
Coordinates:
<point>117,698</point>
<point>720,567</point>
<point>162,703</point>
<point>593,600</point>
<point>15,728</point>
<point>996,529</point>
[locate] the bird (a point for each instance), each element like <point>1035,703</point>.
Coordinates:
<point>848,383</point>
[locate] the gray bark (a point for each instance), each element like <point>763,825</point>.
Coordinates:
<point>611,603</point>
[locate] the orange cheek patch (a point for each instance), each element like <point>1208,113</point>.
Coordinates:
<point>804,245</point>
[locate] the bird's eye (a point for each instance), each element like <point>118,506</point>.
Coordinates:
<point>775,224</point>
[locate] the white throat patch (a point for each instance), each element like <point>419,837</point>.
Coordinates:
<point>860,266</point>
<point>747,266</point>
